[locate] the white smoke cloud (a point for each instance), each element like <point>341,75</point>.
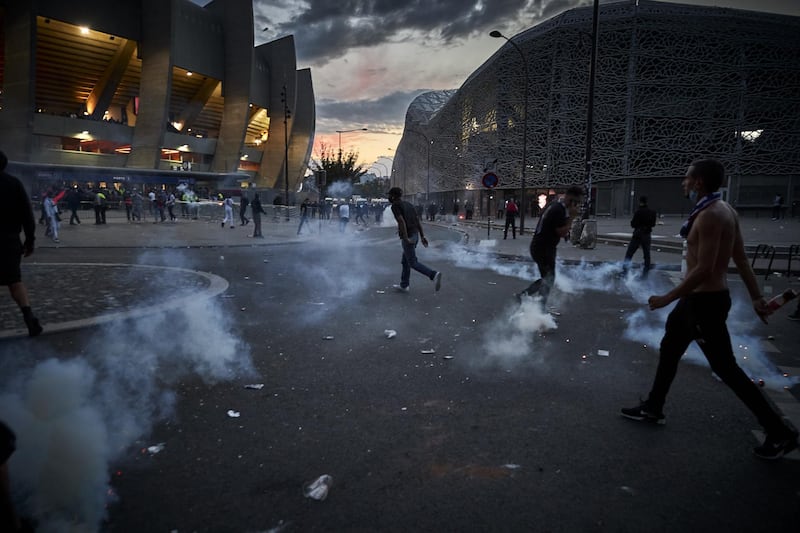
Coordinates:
<point>339,189</point>
<point>75,416</point>
<point>510,339</point>
<point>648,327</point>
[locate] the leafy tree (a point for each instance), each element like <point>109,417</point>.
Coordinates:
<point>340,166</point>
<point>375,188</point>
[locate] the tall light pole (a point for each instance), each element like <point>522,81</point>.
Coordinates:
<point>287,114</point>
<point>497,34</point>
<point>590,106</point>
<point>340,138</point>
<point>385,168</point>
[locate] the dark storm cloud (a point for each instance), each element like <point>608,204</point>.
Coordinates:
<point>384,113</point>
<point>325,30</point>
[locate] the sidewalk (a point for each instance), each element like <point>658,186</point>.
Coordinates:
<point>613,235</point>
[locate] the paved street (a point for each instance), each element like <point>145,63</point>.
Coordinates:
<point>468,418</point>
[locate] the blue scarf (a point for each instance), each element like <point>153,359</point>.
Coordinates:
<point>704,202</point>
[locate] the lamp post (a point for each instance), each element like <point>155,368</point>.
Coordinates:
<point>340,138</point>
<point>385,168</point>
<point>287,114</point>
<point>497,34</point>
<point>590,106</point>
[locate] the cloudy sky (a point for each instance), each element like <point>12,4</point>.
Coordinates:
<point>370,58</point>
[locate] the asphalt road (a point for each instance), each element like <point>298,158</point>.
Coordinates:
<point>501,428</point>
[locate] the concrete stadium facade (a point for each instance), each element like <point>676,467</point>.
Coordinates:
<point>154,91</point>
<point>673,82</point>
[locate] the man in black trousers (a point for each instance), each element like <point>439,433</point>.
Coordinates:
<point>643,221</point>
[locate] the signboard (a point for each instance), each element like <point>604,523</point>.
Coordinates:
<point>490,180</point>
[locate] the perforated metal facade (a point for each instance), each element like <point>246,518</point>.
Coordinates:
<point>673,82</point>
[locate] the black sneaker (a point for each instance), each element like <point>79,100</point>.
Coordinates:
<point>34,327</point>
<point>644,414</point>
<point>776,447</point>
<point>794,316</point>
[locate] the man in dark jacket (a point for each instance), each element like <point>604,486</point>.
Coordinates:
<point>74,203</point>
<point>16,215</point>
<point>643,221</point>
<point>554,225</point>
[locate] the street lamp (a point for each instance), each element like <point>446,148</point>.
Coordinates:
<point>497,34</point>
<point>340,138</point>
<point>590,107</point>
<point>287,114</point>
<point>385,168</point>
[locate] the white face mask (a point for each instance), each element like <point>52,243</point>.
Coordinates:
<point>693,195</point>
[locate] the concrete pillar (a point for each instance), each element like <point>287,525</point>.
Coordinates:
<point>19,84</point>
<point>237,14</point>
<point>156,84</point>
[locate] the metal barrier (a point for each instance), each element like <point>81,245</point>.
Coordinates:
<point>765,251</point>
<point>794,251</point>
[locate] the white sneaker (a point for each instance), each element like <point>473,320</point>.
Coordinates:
<point>437,279</point>
<point>398,288</point>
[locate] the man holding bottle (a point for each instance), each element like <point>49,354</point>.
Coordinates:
<point>713,238</point>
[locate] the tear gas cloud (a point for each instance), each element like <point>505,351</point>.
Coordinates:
<point>339,189</point>
<point>74,415</point>
<point>642,325</point>
<point>509,340</point>
<point>648,327</point>
<point>339,269</point>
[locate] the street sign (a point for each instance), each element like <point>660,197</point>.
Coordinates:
<point>490,180</point>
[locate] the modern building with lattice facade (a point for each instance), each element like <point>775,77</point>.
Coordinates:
<point>673,82</point>
<point>154,91</point>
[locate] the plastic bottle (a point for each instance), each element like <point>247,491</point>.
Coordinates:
<point>783,298</point>
<point>318,489</point>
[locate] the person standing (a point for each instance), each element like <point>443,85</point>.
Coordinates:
<point>409,228</point>
<point>511,219</point>
<point>713,236</point>
<point>99,207</point>
<point>243,203</point>
<point>151,197</point>
<point>303,215</point>
<point>127,199</point>
<point>643,222</point>
<point>257,211</point>
<point>777,206</point>
<point>227,203</point>
<point>171,206</point>
<point>16,216</point>
<point>344,216</point>
<point>137,203</point>
<point>469,207</point>
<point>73,204</point>
<point>553,225</point>
<point>51,214</point>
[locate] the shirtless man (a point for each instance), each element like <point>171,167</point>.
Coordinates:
<point>713,239</point>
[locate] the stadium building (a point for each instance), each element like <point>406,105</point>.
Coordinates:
<point>673,82</point>
<point>153,92</point>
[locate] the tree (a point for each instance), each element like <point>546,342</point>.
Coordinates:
<point>375,188</point>
<point>340,166</point>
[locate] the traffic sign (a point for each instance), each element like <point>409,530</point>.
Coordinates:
<point>490,180</point>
